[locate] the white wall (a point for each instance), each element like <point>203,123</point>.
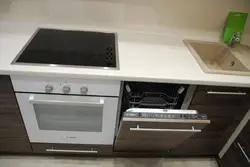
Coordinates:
<point>148,15</point>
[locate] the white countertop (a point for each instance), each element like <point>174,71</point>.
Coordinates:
<point>142,57</point>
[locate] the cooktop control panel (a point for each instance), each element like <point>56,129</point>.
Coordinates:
<point>49,85</point>
<point>165,116</point>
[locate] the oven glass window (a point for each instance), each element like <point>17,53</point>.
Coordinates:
<point>69,118</point>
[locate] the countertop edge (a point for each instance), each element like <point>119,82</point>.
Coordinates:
<point>125,78</point>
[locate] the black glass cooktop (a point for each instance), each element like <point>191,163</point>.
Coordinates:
<point>74,48</point>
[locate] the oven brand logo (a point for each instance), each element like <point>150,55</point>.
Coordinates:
<point>70,137</point>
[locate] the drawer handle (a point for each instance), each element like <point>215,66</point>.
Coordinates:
<point>243,152</point>
<point>72,151</point>
<point>164,130</point>
<point>226,93</point>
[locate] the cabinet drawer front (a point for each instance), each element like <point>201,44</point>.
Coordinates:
<point>5,85</point>
<point>156,130</point>
<point>208,146</point>
<point>155,136</point>
<point>222,89</point>
<point>8,103</point>
<point>10,121</point>
<point>13,132</point>
<point>221,96</point>
<point>218,111</point>
<point>8,108</point>
<point>53,148</point>
<point>144,145</point>
<point>20,145</point>
<point>205,98</point>
<point>11,126</point>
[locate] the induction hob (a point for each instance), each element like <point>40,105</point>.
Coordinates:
<point>55,47</point>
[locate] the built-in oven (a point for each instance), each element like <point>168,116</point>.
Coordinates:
<point>75,111</point>
<point>155,117</point>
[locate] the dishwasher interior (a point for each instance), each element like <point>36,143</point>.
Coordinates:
<point>153,95</point>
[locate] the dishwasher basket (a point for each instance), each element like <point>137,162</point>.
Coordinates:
<point>154,97</point>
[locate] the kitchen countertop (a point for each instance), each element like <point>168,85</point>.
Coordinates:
<point>142,57</point>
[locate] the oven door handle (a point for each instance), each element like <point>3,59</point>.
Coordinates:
<point>32,100</point>
<point>164,130</point>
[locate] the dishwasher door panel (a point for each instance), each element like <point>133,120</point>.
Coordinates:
<point>136,134</point>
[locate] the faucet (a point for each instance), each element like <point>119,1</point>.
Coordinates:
<point>235,39</point>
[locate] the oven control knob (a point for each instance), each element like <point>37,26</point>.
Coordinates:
<point>48,88</point>
<point>84,90</point>
<point>66,89</point>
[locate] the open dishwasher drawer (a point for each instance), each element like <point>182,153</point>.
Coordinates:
<point>154,121</point>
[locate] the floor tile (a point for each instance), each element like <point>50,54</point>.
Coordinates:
<point>189,162</point>
<point>60,161</point>
<point>138,162</point>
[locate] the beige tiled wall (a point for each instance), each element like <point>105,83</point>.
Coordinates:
<point>148,15</point>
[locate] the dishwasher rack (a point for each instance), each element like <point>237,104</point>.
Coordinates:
<point>164,96</point>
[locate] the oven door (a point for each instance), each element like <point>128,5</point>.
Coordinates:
<point>149,134</point>
<point>68,119</point>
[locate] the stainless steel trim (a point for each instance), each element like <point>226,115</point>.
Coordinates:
<point>128,119</point>
<point>189,96</point>
<point>71,103</point>
<point>164,130</point>
<point>72,151</point>
<point>226,93</point>
<point>58,65</point>
<point>70,66</point>
<point>117,52</point>
<point>155,110</point>
<point>245,155</point>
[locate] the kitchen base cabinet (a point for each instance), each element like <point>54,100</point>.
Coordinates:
<point>13,136</point>
<point>14,145</point>
<point>212,138</point>
<point>54,148</point>
<point>194,146</point>
<point>225,107</point>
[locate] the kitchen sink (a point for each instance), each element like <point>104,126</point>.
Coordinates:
<point>218,58</point>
